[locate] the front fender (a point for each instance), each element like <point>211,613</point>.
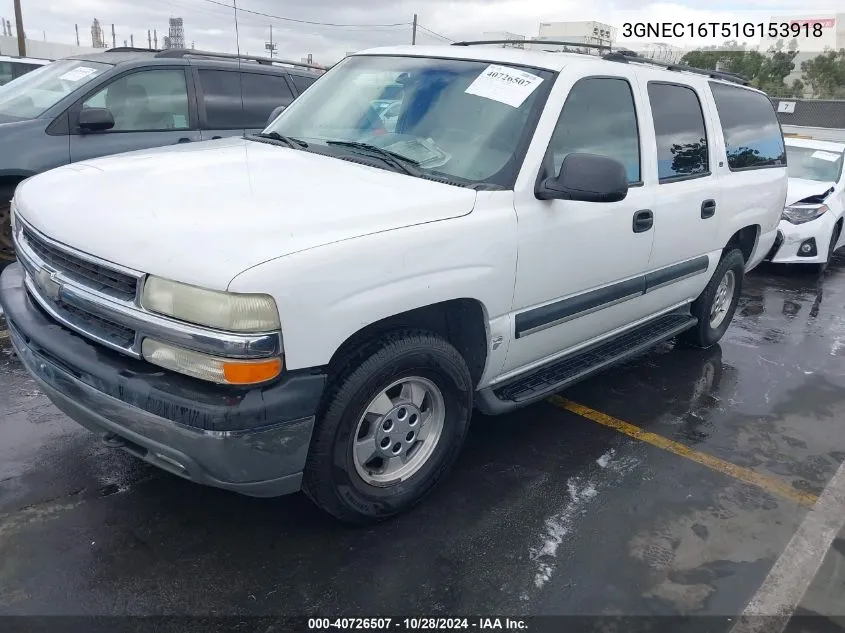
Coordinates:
<point>327,294</point>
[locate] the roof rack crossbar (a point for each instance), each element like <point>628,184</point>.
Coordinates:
<point>131,49</point>
<point>630,56</point>
<point>603,47</point>
<point>190,52</point>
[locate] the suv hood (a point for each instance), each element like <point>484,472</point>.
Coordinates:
<point>203,214</point>
<point>801,188</point>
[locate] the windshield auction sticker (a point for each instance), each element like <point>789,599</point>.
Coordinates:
<point>826,156</point>
<point>78,74</point>
<point>505,85</point>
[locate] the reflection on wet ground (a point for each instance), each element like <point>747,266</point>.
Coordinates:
<point>546,512</point>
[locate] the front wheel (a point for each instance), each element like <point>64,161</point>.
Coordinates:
<point>390,428</point>
<point>7,249</point>
<point>830,249</point>
<point>716,305</point>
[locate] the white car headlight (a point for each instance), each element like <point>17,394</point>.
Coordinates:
<point>221,310</point>
<point>801,213</point>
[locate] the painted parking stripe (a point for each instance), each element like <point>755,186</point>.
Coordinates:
<point>769,484</point>
<point>790,577</point>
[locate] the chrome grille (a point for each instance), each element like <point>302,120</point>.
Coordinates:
<point>97,326</point>
<point>95,276</point>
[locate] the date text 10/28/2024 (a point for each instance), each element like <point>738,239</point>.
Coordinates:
<point>714,30</point>
<point>417,624</point>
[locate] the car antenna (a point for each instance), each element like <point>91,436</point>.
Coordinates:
<point>238,48</point>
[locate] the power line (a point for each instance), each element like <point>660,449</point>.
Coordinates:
<point>420,26</point>
<point>278,17</point>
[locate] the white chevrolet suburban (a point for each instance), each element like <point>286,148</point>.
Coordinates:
<point>322,306</point>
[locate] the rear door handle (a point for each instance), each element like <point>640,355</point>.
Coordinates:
<point>643,220</point>
<point>214,138</point>
<point>708,209</point>
<point>184,139</point>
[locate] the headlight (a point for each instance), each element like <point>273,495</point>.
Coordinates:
<point>221,310</point>
<point>220,370</point>
<point>800,213</point>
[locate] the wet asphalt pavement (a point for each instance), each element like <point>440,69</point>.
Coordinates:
<point>546,512</point>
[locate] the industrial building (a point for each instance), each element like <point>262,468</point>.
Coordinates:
<point>578,32</point>
<point>40,49</point>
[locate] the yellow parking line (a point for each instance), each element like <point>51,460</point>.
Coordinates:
<point>769,484</point>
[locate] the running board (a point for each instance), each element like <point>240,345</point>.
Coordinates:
<point>543,382</point>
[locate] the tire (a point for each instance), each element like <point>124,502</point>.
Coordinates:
<point>708,331</point>
<point>7,250</point>
<point>821,268</point>
<point>358,490</point>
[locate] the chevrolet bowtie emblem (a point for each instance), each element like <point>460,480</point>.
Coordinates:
<point>48,284</point>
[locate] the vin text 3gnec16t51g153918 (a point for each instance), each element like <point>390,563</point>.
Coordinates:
<point>322,306</point>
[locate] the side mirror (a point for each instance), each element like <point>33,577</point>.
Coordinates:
<point>96,119</point>
<point>276,112</point>
<point>586,177</point>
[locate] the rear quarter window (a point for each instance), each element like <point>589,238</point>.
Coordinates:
<point>753,138</point>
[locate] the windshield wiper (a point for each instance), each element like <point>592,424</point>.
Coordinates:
<point>290,141</point>
<point>396,160</point>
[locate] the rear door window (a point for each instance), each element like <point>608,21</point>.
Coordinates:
<point>682,150</point>
<point>262,95</point>
<point>222,98</point>
<point>753,137</point>
<point>301,83</point>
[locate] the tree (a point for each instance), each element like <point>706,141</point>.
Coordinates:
<point>767,72</point>
<point>689,158</point>
<point>796,89</point>
<point>825,74</point>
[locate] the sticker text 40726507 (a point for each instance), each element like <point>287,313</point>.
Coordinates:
<point>505,85</point>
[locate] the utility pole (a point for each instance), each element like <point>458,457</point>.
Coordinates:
<point>132,40</point>
<point>19,26</point>
<point>113,37</point>
<point>155,38</point>
<point>270,46</point>
<point>414,32</point>
<point>149,39</point>
<point>76,26</point>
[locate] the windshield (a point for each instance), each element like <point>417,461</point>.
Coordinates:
<point>813,164</point>
<point>29,96</point>
<point>469,121</point>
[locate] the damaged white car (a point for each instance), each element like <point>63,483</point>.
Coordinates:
<point>810,229</point>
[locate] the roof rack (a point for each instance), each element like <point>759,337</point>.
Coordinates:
<point>630,56</point>
<point>620,55</point>
<point>190,52</point>
<point>131,49</point>
<point>603,47</point>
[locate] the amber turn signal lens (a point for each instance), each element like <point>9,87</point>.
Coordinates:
<point>224,371</point>
<point>250,373</point>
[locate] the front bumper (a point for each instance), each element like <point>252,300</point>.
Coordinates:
<point>793,235</point>
<point>252,441</point>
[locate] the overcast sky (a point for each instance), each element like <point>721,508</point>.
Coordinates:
<point>211,26</point>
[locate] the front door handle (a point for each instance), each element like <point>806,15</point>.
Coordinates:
<point>216,138</point>
<point>708,209</point>
<point>643,220</point>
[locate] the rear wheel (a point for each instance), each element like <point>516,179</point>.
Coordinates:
<point>392,425</point>
<point>716,305</point>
